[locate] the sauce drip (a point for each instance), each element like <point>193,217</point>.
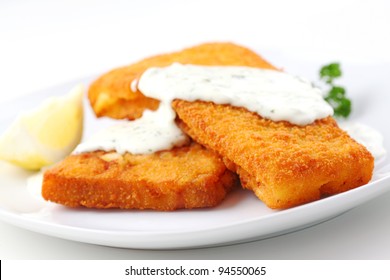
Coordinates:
<point>272,94</point>
<point>367,136</point>
<point>155,131</point>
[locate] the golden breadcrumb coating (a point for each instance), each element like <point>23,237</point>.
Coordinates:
<point>186,177</point>
<point>284,164</point>
<point>111,94</point>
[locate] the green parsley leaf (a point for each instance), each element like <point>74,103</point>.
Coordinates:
<point>330,72</point>
<point>336,95</point>
<point>342,106</point>
<point>336,92</point>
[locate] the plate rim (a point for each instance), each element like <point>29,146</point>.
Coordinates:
<point>104,237</point>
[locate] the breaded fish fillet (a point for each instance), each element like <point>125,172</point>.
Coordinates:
<point>187,177</point>
<point>283,164</point>
<point>112,94</point>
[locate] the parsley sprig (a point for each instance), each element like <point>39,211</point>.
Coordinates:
<point>336,95</point>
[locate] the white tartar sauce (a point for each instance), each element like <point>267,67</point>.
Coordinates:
<point>367,136</point>
<point>272,94</point>
<point>155,131</point>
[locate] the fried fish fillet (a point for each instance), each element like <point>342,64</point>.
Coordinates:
<point>112,94</point>
<point>186,177</point>
<point>285,165</point>
<point>189,177</point>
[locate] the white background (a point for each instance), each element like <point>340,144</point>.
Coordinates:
<point>44,43</point>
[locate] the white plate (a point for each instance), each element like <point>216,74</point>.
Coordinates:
<point>240,218</point>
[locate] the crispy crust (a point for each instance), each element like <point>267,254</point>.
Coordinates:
<point>111,94</point>
<point>187,177</point>
<point>284,164</point>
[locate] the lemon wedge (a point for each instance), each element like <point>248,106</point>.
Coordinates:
<point>47,134</point>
